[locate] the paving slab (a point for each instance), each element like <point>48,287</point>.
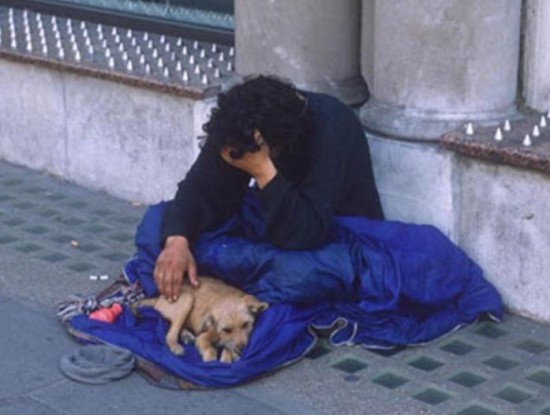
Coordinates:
<point>31,345</point>
<point>134,395</point>
<point>55,235</point>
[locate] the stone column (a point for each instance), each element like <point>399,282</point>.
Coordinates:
<point>432,64</point>
<point>536,64</point>
<point>314,43</point>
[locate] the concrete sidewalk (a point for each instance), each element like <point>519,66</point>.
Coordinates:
<point>54,235</point>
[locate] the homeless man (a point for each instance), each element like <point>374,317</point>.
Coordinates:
<point>307,154</point>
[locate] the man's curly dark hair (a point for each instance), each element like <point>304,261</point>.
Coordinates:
<point>272,106</point>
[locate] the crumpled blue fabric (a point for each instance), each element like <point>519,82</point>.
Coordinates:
<point>394,284</point>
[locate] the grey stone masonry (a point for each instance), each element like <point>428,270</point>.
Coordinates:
<point>536,55</point>
<point>314,43</point>
<point>430,65</point>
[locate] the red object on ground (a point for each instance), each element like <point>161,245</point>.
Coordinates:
<point>108,315</point>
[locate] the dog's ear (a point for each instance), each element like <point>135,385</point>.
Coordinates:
<point>254,305</point>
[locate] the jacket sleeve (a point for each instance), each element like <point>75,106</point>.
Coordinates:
<point>210,193</point>
<point>300,216</point>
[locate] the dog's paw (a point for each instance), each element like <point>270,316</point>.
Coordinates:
<point>177,349</point>
<point>228,356</point>
<point>187,337</point>
<point>209,355</point>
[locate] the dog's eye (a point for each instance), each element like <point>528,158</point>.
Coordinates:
<point>227,330</point>
<point>245,325</point>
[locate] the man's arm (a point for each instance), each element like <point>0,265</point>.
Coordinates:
<point>210,193</point>
<point>340,180</point>
<point>300,216</point>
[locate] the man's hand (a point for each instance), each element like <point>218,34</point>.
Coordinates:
<point>173,262</point>
<point>258,164</point>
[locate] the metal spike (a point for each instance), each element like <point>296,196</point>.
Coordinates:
<point>155,53</point>
<point>130,66</point>
<point>221,58</point>
<point>138,50</point>
<point>107,53</point>
<point>147,69</point>
<point>217,73</point>
<point>204,79</point>
<point>196,44</point>
<point>197,70</point>
<point>125,56</point>
<point>145,36</point>
<point>527,140</point>
<point>77,56</point>
<point>162,39</point>
<point>173,56</point>
<point>142,60</point>
<point>166,73</point>
<point>179,42</point>
<point>150,44</point>
<point>179,66</point>
<point>117,39</point>
<point>129,33</point>
<point>498,134</point>
<point>100,36</point>
<point>192,60</point>
<point>82,25</point>
<point>210,63</point>
<point>542,122</point>
<point>90,50</point>
<point>44,50</point>
<point>104,44</point>
<point>202,54</point>
<point>61,54</point>
<point>507,127</point>
<point>99,28</point>
<point>113,31</point>
<point>133,42</point>
<point>469,129</point>
<point>214,48</point>
<point>536,131</point>
<point>111,63</point>
<point>167,47</point>
<point>121,47</point>
<point>184,51</point>
<point>231,51</point>
<point>160,63</point>
<point>185,77</point>
<point>229,66</point>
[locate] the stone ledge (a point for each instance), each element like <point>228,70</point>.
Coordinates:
<point>191,92</point>
<point>511,150</point>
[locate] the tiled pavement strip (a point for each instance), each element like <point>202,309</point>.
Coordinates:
<point>54,235</point>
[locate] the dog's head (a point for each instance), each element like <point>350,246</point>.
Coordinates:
<point>233,320</point>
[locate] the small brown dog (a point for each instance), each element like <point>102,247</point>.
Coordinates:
<point>217,314</point>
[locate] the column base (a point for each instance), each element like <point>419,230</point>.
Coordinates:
<point>412,124</point>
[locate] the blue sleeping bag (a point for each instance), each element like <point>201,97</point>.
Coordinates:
<point>394,284</point>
